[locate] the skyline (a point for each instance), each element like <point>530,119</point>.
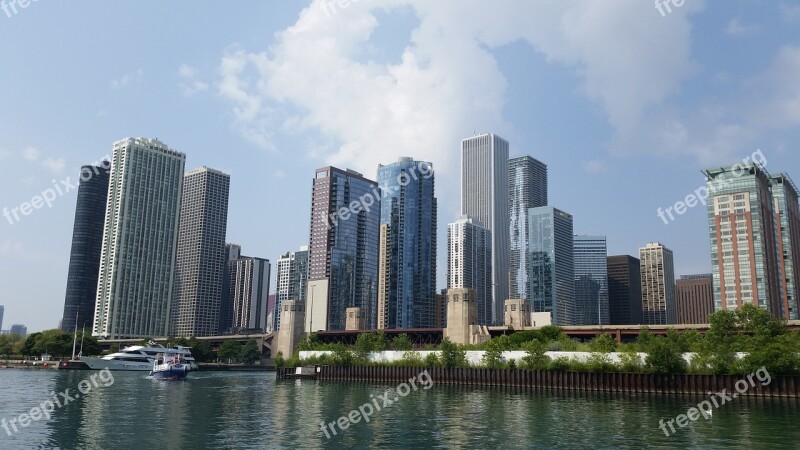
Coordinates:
<point>702,91</point>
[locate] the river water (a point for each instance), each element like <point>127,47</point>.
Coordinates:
<point>254,411</point>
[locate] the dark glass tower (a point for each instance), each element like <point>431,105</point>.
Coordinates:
<point>87,244</point>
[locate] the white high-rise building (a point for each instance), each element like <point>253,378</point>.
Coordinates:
<point>292,281</point>
<point>484,196</point>
<point>469,262</point>
<point>659,305</point>
<point>200,263</point>
<point>137,266</point>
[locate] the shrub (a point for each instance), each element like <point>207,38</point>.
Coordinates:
<point>432,360</point>
<point>411,359</point>
<point>601,362</point>
<point>452,355</point>
<point>535,358</point>
<point>630,361</point>
<point>665,357</point>
<point>279,361</point>
<point>401,342</point>
<point>560,364</point>
<point>603,343</point>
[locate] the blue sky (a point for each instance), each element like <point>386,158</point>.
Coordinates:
<point>625,105</point>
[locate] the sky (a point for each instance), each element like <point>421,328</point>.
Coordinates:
<point>626,103</point>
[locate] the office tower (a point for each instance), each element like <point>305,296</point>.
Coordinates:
<point>658,285</point>
<point>527,188</point>
<point>19,330</point>
<point>292,281</point>
<point>248,284</point>
<point>552,264</point>
<point>137,266</point>
<point>695,298</point>
<point>343,248</point>
<point>200,260</point>
<point>2,311</point>
<point>744,242</point>
<point>233,252</point>
<point>87,245</point>
<point>484,196</point>
<point>591,280</point>
<point>787,220</point>
<point>407,255</point>
<point>624,290</point>
<point>469,263</point>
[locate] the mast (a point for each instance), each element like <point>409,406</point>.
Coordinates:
<point>75,335</point>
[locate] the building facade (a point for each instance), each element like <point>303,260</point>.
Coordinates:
<point>136,277</point>
<point>200,260</point>
<point>233,252</point>
<point>695,298</point>
<point>591,280</point>
<point>19,330</point>
<point>407,258</point>
<point>249,280</point>
<point>484,196</point>
<point>787,220</point>
<point>658,285</point>
<point>552,264</point>
<point>2,311</point>
<point>624,290</point>
<point>343,248</point>
<point>469,263</point>
<point>527,188</point>
<point>87,246</point>
<point>292,279</point>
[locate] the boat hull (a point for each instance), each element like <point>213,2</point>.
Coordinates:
<point>173,372</point>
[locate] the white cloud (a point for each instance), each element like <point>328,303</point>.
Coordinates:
<point>31,154</point>
<point>736,28</point>
<point>189,84</point>
<point>280,174</point>
<point>127,79</point>
<point>4,154</point>
<point>55,166</point>
<point>595,166</point>
<point>790,12</point>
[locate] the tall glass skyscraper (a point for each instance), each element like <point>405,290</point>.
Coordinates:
<point>624,290</point>
<point>87,246</point>
<point>657,271</point>
<point>591,280</point>
<point>784,191</point>
<point>552,264</point>
<point>233,252</point>
<point>249,280</point>
<point>136,278</point>
<point>469,262</point>
<point>527,188</point>
<point>407,269</point>
<point>200,261</point>
<point>484,196</point>
<point>292,281</point>
<point>343,248</point>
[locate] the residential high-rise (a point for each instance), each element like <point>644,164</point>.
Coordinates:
<point>248,284</point>
<point>591,280</point>
<point>527,188</point>
<point>343,248</point>
<point>469,263</point>
<point>552,264</point>
<point>624,290</point>
<point>233,252</point>
<point>744,238</point>
<point>658,285</point>
<point>292,281</point>
<point>136,277</point>
<point>695,298</point>
<point>200,260</point>
<point>87,246</point>
<point>787,220</point>
<point>484,196</point>
<point>407,256</point>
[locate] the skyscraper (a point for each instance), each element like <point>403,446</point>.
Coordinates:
<point>292,281</point>
<point>87,245</point>
<point>469,263</point>
<point>527,188</point>
<point>248,282</point>
<point>19,330</point>
<point>658,285</point>
<point>484,196</point>
<point>695,298</point>
<point>136,276</point>
<point>552,264</point>
<point>744,239</point>
<point>233,252</point>
<point>2,311</point>
<point>343,248</point>
<point>591,280</point>
<point>407,258</point>
<point>200,261</point>
<point>624,290</point>
<point>787,220</point>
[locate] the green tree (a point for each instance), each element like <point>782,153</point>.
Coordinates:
<point>644,339</point>
<point>551,333</point>
<point>229,350</point>
<point>6,346</point>
<point>28,347</point>
<point>311,342</point>
<point>452,355</point>
<point>665,357</point>
<point>401,342</point>
<point>603,343</point>
<point>201,350</point>
<point>250,353</point>
<point>493,355</point>
<point>535,357</point>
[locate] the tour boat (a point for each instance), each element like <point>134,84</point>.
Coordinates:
<point>138,357</point>
<point>170,366</point>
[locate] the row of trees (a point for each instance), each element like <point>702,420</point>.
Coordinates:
<point>762,339</point>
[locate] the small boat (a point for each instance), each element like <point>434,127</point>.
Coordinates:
<point>170,366</point>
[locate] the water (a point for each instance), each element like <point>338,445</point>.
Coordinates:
<point>254,411</point>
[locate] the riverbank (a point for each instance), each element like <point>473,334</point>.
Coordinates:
<point>38,365</point>
<point>233,367</point>
<point>634,383</point>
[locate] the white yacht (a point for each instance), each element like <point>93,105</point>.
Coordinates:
<point>137,357</point>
